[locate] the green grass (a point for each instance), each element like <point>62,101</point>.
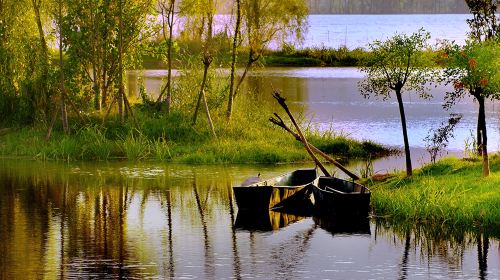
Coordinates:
<point>248,138</point>
<point>451,193</point>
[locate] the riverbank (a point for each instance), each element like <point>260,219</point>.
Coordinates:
<point>449,194</point>
<point>248,138</point>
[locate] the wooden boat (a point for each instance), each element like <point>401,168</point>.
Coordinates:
<point>288,190</point>
<point>342,197</point>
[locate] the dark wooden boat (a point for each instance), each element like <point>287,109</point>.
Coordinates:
<point>288,190</point>
<point>342,197</point>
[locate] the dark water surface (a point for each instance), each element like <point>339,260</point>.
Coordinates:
<point>158,221</point>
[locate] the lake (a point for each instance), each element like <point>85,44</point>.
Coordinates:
<point>356,31</point>
<point>165,221</point>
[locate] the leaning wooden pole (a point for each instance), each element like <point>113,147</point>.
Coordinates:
<point>281,101</point>
<point>279,122</point>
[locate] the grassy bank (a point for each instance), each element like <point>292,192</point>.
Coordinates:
<point>248,138</point>
<point>309,57</point>
<point>450,193</point>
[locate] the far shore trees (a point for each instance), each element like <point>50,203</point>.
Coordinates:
<point>398,65</point>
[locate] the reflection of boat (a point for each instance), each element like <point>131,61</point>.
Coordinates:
<point>343,225</point>
<point>287,190</point>
<point>342,197</point>
<point>264,220</point>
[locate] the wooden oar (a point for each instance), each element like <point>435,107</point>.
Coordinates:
<point>279,122</point>
<point>281,101</point>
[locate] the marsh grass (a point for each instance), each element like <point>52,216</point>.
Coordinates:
<point>451,193</point>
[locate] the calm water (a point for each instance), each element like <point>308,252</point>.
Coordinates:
<point>356,31</point>
<point>154,221</point>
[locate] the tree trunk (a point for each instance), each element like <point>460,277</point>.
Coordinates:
<point>209,119</point>
<point>95,88</point>
<point>120,63</point>
<point>233,60</point>
<point>202,88</point>
<point>482,131</point>
<point>168,102</point>
<point>409,170</point>
<point>479,136</point>
<point>64,115</point>
<point>44,92</point>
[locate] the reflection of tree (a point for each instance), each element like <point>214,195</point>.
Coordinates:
<point>404,262</point>
<point>483,245</point>
<point>171,262</point>
<point>447,248</point>
<point>209,261</point>
<point>236,257</point>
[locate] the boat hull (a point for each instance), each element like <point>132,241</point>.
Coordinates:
<point>336,196</point>
<point>291,190</point>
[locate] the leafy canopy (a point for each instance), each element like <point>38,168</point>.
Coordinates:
<point>397,63</point>
<point>473,68</point>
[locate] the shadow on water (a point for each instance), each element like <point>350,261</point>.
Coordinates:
<point>61,224</point>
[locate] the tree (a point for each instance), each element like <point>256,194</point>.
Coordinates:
<point>93,37</point>
<point>483,25</point>
<point>200,16</point>
<point>233,58</point>
<point>474,69</point>
<point>21,78</point>
<point>396,65</point>
<point>43,59</point>
<point>267,21</point>
<point>62,93</point>
<point>167,12</point>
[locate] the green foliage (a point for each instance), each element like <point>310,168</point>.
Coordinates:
<point>135,146</point>
<point>398,63</point>
<point>473,68</point>
<point>450,192</point>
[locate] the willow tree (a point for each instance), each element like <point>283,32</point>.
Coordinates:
<point>94,36</point>
<point>41,11</point>
<point>398,65</point>
<point>166,9</point>
<point>266,22</point>
<point>474,70</point>
<point>235,43</point>
<point>200,17</point>
<point>19,63</point>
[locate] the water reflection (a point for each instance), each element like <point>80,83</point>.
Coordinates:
<point>64,223</point>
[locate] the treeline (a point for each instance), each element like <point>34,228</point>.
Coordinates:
<point>387,7</point>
